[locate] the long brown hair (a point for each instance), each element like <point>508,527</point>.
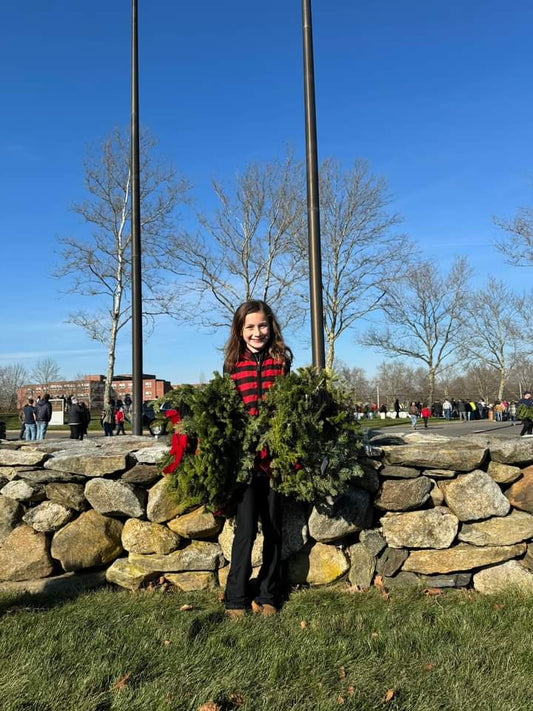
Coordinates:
<point>236,346</point>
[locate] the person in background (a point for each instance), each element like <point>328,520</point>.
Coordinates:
<point>85,418</point>
<point>413,414</point>
<point>425,414</point>
<point>30,428</point>
<point>512,413</point>
<point>127,405</point>
<point>108,419</point>
<point>119,419</point>
<point>397,408</point>
<point>75,418</point>
<point>447,409</point>
<point>43,415</point>
<point>524,411</point>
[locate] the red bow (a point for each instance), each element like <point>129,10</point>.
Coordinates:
<point>178,443</point>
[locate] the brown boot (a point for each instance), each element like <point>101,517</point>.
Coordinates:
<point>269,610</point>
<point>257,609</point>
<point>235,614</point>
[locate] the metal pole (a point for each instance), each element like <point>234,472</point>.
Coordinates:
<point>136,279</point>
<point>313,209</point>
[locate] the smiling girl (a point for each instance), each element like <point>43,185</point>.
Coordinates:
<point>255,356</point>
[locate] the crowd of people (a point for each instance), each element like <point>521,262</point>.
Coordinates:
<point>448,409</point>
<point>462,410</point>
<point>35,417</point>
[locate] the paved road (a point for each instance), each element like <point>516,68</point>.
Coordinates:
<point>455,429</point>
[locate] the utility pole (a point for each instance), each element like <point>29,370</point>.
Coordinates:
<point>313,208</point>
<point>136,277</point>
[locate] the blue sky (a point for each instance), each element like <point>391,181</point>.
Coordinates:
<point>436,96</point>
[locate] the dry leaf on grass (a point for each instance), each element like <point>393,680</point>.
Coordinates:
<point>378,582</point>
<point>340,699</point>
<point>166,642</point>
<point>389,695</point>
<point>303,624</point>
<point>380,585</point>
<point>209,706</point>
<point>350,690</point>
<point>374,635</point>
<point>432,591</point>
<point>236,699</point>
<point>121,683</point>
<point>342,673</point>
<point>428,667</point>
<point>186,608</point>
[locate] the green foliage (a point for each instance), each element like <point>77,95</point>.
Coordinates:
<point>523,412</point>
<point>305,423</point>
<point>214,420</point>
<point>308,421</point>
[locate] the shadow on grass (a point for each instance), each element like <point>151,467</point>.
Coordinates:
<point>52,594</point>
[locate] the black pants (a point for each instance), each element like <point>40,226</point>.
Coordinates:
<point>527,426</point>
<point>74,431</point>
<point>258,502</point>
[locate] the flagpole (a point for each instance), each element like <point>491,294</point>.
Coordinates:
<point>313,209</point>
<point>136,278</point>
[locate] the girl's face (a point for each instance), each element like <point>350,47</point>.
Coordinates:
<point>256,331</point>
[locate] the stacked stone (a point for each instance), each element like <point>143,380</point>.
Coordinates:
<point>427,511</point>
<point>71,507</point>
<point>455,513</point>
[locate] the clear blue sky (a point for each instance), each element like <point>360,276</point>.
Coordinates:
<point>435,95</point>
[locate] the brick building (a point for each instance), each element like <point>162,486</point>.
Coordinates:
<point>91,389</point>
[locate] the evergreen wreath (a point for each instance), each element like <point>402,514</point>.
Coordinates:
<point>305,437</point>
<point>523,412</point>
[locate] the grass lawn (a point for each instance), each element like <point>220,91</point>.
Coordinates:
<point>115,650</point>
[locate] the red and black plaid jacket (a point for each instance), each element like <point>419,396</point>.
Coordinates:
<point>253,375</point>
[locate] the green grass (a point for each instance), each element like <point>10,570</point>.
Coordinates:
<point>114,651</point>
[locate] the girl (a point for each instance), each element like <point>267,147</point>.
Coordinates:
<point>255,356</point>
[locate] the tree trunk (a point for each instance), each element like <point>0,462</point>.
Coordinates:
<point>111,360</point>
<point>431,386</point>
<point>501,384</point>
<point>330,357</point>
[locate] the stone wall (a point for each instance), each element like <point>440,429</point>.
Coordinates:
<point>429,511</point>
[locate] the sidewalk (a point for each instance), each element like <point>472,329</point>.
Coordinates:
<point>453,428</point>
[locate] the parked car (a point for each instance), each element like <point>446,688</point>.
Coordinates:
<point>157,424</point>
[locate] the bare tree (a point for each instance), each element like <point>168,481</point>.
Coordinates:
<point>423,314</point>
<point>354,381</point>
<point>493,329</point>
<point>46,371</point>
<point>12,377</point>
<point>396,380</point>
<point>99,266</point>
<point>245,249</point>
<point>520,378</point>
<point>517,246</point>
<point>360,250</point>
